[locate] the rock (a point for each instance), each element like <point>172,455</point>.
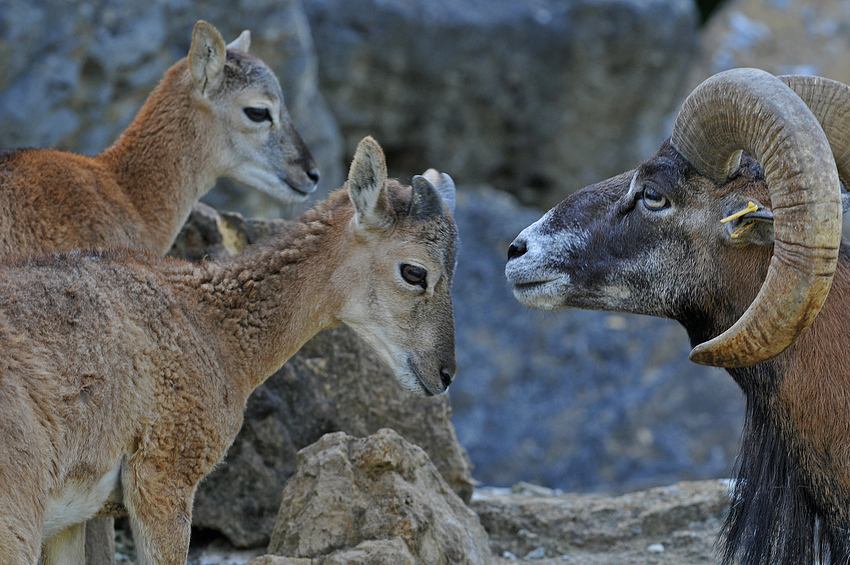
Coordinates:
<point>572,400</point>
<point>781,37</point>
<point>683,518</point>
<point>276,560</point>
<point>334,383</point>
<point>575,400</point>
<point>380,496</point>
<point>534,97</point>
<point>377,552</point>
<point>680,521</point>
<point>73,74</point>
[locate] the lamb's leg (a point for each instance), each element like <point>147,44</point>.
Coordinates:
<point>23,492</point>
<point>20,521</point>
<point>68,547</point>
<point>19,545</point>
<point>160,511</point>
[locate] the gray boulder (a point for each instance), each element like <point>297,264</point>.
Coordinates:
<point>74,73</point>
<point>374,500</point>
<point>534,97</point>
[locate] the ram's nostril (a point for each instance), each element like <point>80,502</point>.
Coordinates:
<point>517,249</point>
<point>446,377</point>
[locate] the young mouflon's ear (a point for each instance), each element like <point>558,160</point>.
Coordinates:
<point>445,186</point>
<point>241,43</point>
<point>207,56</point>
<point>367,183</point>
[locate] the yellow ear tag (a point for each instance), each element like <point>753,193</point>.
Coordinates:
<point>737,233</point>
<point>751,207</point>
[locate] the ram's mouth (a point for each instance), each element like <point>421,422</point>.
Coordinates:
<point>541,293</point>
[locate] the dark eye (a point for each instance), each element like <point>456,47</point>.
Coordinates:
<point>654,200</point>
<point>414,275</point>
<point>258,114</point>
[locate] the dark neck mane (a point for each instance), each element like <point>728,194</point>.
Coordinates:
<point>790,503</point>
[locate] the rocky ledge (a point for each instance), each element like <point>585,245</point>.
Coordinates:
<point>531,525</point>
<point>676,524</point>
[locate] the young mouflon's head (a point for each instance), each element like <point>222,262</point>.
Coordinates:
<point>405,257</point>
<point>260,146</point>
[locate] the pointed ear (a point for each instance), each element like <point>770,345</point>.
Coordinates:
<point>241,43</point>
<point>206,58</point>
<point>445,186</point>
<point>755,228</point>
<point>367,184</point>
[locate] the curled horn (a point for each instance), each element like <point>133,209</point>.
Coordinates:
<point>829,101</point>
<point>750,110</point>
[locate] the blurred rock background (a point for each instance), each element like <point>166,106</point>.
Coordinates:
<point>522,102</point>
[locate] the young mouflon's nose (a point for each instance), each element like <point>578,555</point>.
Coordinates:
<point>517,249</point>
<point>314,175</point>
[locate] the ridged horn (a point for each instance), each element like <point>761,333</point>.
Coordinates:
<point>829,101</point>
<point>753,111</point>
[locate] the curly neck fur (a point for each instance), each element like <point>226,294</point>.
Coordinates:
<point>266,298</point>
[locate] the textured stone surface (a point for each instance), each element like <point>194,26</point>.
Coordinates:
<point>349,493</point>
<point>74,73</point>
<point>538,97</point>
<point>531,525</point>
<point>671,525</point>
<point>779,36</point>
<point>378,552</point>
<point>334,383</point>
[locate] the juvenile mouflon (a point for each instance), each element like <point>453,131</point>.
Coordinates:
<point>125,375</point>
<point>219,112</point>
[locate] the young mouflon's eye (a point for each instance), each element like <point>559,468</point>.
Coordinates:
<point>258,114</point>
<point>415,275</point>
<point>654,200</point>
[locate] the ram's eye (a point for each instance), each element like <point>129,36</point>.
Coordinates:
<point>654,200</point>
<point>415,275</point>
<point>258,114</point>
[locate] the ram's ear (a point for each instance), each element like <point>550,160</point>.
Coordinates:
<point>367,184</point>
<point>750,222</point>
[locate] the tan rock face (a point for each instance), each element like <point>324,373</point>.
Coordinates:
<point>374,500</point>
